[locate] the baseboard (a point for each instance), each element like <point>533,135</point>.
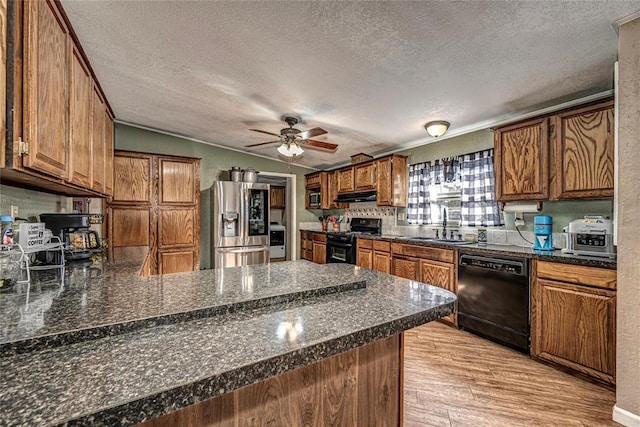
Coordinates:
<point>625,417</point>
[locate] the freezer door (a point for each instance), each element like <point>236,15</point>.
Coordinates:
<point>239,256</point>
<point>227,207</point>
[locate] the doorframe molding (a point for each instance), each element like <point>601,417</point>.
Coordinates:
<point>290,211</point>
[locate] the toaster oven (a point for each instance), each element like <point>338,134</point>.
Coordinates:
<point>592,236</point>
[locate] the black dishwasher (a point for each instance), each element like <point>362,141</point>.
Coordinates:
<point>493,298</point>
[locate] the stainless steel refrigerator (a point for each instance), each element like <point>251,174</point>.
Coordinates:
<point>240,225</point>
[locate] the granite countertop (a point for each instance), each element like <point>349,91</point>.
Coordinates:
<point>194,335</point>
<point>508,250</point>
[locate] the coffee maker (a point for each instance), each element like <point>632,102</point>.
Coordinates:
<point>73,229</point>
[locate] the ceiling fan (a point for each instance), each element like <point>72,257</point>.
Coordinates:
<point>291,139</point>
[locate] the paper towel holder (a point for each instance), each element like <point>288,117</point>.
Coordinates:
<point>532,207</point>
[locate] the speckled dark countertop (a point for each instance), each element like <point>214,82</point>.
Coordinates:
<point>508,250</point>
<point>150,370</point>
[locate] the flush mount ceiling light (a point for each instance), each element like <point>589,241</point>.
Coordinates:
<point>437,128</point>
<point>290,149</point>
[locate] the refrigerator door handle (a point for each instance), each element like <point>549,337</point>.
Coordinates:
<point>243,250</point>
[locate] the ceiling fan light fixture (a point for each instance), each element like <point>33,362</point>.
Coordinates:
<point>290,150</point>
<point>437,128</point>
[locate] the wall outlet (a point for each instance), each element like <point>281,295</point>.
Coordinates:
<point>14,212</point>
<point>401,216</point>
<point>518,220</point>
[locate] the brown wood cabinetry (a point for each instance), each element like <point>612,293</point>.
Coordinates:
<point>81,86</point>
<point>568,155</point>
<point>345,180</point>
<point>374,254</point>
<point>573,316</point>
<point>46,94</point>
<point>391,181</point>
<point>156,203</point>
<point>277,197</point>
<point>60,113</point>
<point>364,176</point>
<point>313,246</point>
<point>583,153</point>
<point>434,266</point>
<point>522,161</point>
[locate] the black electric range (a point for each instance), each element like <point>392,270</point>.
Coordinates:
<point>341,246</point>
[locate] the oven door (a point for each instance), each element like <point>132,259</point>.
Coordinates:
<point>341,253</point>
<point>276,237</point>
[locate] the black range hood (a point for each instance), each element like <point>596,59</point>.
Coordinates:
<point>365,196</point>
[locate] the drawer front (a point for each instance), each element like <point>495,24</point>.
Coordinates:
<point>319,237</point>
<point>437,254</point>
<point>307,244</point>
<point>379,245</point>
<point>577,274</point>
<point>365,243</point>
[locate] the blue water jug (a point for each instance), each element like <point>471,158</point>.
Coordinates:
<point>543,237</point>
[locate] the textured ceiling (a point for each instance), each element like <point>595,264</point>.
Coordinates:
<point>370,73</point>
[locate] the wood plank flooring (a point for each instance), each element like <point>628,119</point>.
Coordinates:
<point>453,379</point>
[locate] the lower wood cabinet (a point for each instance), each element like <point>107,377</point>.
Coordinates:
<point>573,318</point>
<point>441,274</point>
<point>374,255</point>
<point>313,246</point>
<point>406,267</point>
<point>156,204</point>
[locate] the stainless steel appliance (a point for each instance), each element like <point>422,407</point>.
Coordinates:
<point>341,246</point>
<point>314,200</point>
<point>240,231</point>
<point>277,241</point>
<point>592,236</point>
<point>493,298</point>
<point>73,229</point>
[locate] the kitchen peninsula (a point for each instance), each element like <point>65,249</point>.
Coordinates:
<point>115,348</point>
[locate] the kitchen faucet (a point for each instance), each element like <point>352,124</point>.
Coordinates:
<point>444,222</point>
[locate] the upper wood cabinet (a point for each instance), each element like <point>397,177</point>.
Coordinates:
<point>583,153</point>
<point>46,88</point>
<point>391,181</point>
<point>365,176</point>
<point>568,155</point>
<point>277,197</point>
<point>157,197</point>
<point>59,140</point>
<point>573,318</point>
<point>345,180</point>
<point>81,89</point>
<point>522,161</point>
<point>3,78</point>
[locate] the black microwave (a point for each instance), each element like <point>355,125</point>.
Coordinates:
<point>314,200</point>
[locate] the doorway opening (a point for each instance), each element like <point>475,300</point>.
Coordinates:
<point>283,214</point>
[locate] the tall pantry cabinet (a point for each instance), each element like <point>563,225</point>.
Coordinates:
<point>156,208</point>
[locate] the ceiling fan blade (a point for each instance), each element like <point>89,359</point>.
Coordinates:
<point>262,143</point>
<point>321,145</point>
<point>264,131</point>
<point>311,133</point>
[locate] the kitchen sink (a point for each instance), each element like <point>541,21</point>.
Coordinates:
<point>446,241</point>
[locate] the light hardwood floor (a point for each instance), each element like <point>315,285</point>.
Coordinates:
<point>453,378</point>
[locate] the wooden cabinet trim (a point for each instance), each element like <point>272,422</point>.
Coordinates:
<point>364,243</point>
<point>437,254</point>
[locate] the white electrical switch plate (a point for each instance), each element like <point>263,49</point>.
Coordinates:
<point>14,211</point>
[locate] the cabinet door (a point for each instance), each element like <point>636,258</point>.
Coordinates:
<point>364,258</point>
<point>319,253</point>
<point>365,177</point>
<point>108,155</point>
<point>277,195</point>
<point>332,190</point>
<point>574,326</point>
<point>132,178</point>
<point>177,181</point>
<point>382,261</point>
<point>391,181</point>
<point>129,226</point>
<point>344,179</point>
<point>583,152</point>
<point>439,274</point>
<point>405,267</point>
<point>522,161</point>
<point>81,84</point>
<point>176,262</point>
<point>46,96</point>
<point>98,114</point>
<point>176,227</point>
